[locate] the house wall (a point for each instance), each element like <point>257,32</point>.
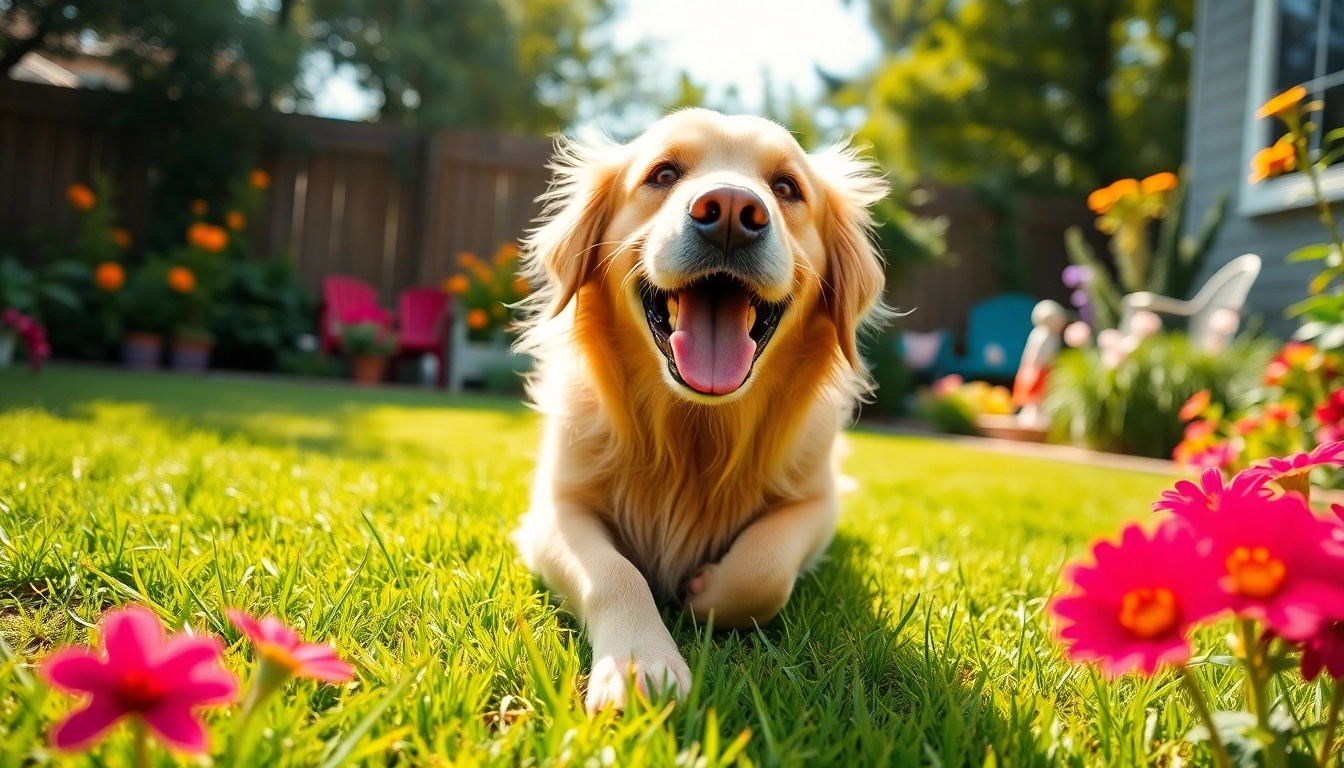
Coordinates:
<point>1220,78</point>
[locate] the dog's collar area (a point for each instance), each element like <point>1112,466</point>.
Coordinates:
<point>661,309</point>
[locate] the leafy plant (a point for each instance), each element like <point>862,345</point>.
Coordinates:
<point>367,338</point>
<point>1133,407</point>
<point>488,291</point>
<point>259,314</point>
<point>1126,211</point>
<point>894,380</point>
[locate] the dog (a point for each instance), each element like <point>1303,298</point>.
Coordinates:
<point>698,294</point>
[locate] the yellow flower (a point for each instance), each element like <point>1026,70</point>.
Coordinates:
<point>122,238</point>
<point>477,319</point>
<point>236,220</point>
<point>199,207</point>
<point>80,196</point>
<point>1283,103</point>
<point>259,179</point>
<point>456,284</point>
<point>181,279</point>
<point>1274,160</point>
<point>1158,183</point>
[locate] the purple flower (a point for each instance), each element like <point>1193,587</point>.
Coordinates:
<point>1079,298</point>
<point>1076,276</point>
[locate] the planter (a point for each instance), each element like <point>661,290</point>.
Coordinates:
<point>191,356</point>
<point>141,351</point>
<point>367,370</point>
<point>480,362</point>
<point>8,340</point>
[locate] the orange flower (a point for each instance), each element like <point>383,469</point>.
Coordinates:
<point>207,237</point>
<point>109,276</point>
<point>456,284</point>
<point>505,253</point>
<point>1281,104</point>
<point>1195,405</point>
<point>235,219</point>
<point>1158,183</point>
<point>80,196</point>
<point>259,179</point>
<point>122,238</point>
<point>1274,160</point>
<point>465,259</point>
<point>521,286</point>
<point>1101,200</point>
<point>181,279</point>
<point>477,319</point>
<point>1125,187</point>
<point>199,207</point>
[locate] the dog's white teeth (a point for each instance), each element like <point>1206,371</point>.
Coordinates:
<point>672,311</point>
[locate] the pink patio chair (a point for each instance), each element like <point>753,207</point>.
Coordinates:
<point>424,315</point>
<point>343,297</point>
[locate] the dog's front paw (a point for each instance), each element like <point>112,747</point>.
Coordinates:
<point>651,672</point>
<point>736,601</point>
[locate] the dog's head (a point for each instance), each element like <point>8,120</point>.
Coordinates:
<point>717,240</point>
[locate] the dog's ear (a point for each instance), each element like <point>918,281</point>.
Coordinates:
<point>559,254</point>
<point>855,277</point>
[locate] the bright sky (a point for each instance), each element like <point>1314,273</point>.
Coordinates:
<point>721,43</point>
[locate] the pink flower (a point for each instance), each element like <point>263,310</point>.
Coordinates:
<point>1324,650</point>
<point>140,674</point>
<point>1130,609</point>
<point>281,646</point>
<point>1278,562</point>
<point>1195,502</point>
<point>1302,463</point>
<point>1217,455</point>
<point>1196,405</point>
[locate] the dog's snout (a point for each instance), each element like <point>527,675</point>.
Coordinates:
<point>729,216</point>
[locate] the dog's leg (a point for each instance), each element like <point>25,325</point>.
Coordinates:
<point>572,551</point>
<point>753,581</point>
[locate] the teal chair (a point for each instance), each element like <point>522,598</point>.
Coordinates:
<point>996,333</point>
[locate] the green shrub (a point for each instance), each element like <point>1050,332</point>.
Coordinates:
<point>260,314</point>
<point>1134,408</point>
<point>949,413</point>
<point>894,380</point>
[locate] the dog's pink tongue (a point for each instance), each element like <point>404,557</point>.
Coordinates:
<point>712,341</point>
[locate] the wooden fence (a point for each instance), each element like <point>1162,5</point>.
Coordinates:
<point>389,205</point>
<point>394,206</point>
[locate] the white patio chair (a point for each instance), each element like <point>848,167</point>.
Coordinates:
<point>1208,326</point>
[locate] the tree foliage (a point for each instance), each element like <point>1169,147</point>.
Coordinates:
<point>1051,95</point>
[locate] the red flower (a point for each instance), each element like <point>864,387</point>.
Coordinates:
<point>1324,650</point>
<point>139,674</point>
<point>1130,609</point>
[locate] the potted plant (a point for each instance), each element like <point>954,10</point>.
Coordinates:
<point>487,293</point>
<point>368,343</point>
<point>147,314</point>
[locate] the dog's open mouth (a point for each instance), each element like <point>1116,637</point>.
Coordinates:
<point>711,330</point>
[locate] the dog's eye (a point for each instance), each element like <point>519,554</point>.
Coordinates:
<point>664,174</point>
<point>785,188</point>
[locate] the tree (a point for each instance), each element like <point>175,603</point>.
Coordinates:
<point>1051,95</point>
<point>519,66</point>
<point>47,25</point>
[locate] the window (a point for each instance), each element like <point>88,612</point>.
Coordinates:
<point>1294,42</point>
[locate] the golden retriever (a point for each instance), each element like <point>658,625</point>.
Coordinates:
<point>699,292</point>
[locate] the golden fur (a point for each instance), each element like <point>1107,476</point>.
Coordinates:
<point>720,503</point>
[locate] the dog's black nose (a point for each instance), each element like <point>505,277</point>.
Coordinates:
<point>729,216</point>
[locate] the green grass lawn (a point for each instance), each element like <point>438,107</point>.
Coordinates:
<point>379,519</point>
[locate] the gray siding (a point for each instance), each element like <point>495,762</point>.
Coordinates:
<point>1220,74</point>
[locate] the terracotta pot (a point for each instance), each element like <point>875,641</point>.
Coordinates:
<point>367,370</point>
<point>141,351</point>
<point>191,356</point>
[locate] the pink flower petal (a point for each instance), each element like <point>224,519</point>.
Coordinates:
<point>245,623</point>
<point>75,669</point>
<point>178,728</point>
<point>184,653</point>
<point>206,686</point>
<point>132,637</point>
<point>274,631</point>
<point>85,726</point>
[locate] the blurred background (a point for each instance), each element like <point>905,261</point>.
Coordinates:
<point>335,187</point>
